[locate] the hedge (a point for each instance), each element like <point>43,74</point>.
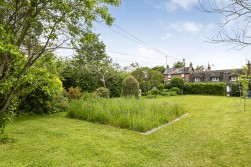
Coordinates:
<point>218,88</point>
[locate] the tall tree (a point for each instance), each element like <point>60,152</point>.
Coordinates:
<point>237,13</point>
<point>178,64</point>
<point>38,26</point>
<point>147,78</point>
<point>161,69</point>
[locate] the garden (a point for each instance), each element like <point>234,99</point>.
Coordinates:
<point>216,132</point>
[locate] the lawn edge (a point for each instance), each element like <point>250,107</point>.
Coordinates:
<point>164,125</point>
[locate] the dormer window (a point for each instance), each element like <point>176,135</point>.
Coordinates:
<point>233,78</point>
<point>215,79</point>
<point>197,79</point>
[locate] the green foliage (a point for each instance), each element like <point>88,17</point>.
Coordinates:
<point>114,84</point>
<point>161,87</point>
<point>102,92</point>
<point>130,87</point>
<point>177,82</point>
<point>147,78</point>
<point>161,69</point>
<point>74,93</point>
<point>235,89</point>
<point>154,91</point>
<point>176,89</point>
<point>39,88</point>
<point>167,86</point>
<point>205,88</point>
<point>178,64</point>
<point>139,115</point>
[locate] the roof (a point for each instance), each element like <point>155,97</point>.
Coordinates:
<point>224,75</point>
<point>174,71</point>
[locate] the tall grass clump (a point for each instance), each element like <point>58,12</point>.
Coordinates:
<point>130,113</point>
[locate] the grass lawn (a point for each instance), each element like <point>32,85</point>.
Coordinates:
<point>215,133</point>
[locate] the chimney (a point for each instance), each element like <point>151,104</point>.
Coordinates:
<point>167,67</point>
<point>208,67</point>
<point>191,65</point>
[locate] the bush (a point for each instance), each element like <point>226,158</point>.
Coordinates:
<point>154,91</point>
<point>130,87</point>
<point>167,86</point>
<point>74,93</point>
<point>177,82</point>
<point>165,94</point>
<point>161,87</point>
<point>165,90</point>
<point>235,89</point>
<point>102,92</point>
<point>173,93</point>
<point>176,89</point>
<point>205,88</point>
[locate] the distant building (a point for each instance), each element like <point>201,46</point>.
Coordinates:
<point>228,76</point>
<point>183,72</point>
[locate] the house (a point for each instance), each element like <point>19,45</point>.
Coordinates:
<point>183,72</point>
<point>228,76</point>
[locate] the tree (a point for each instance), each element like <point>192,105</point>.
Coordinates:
<point>178,64</point>
<point>36,27</point>
<point>237,13</point>
<point>147,78</point>
<point>244,82</point>
<point>200,68</point>
<point>161,69</point>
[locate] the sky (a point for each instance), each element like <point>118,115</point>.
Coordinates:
<point>162,32</point>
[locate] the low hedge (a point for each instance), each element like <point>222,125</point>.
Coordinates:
<point>210,88</point>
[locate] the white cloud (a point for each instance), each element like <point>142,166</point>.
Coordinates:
<point>184,4</point>
<point>172,4</point>
<point>167,36</point>
<point>186,27</point>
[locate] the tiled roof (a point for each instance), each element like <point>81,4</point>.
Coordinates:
<point>224,75</point>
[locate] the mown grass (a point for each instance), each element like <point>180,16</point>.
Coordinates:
<point>216,133</point>
<point>130,113</point>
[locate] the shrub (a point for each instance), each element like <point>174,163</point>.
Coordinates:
<point>176,89</point>
<point>154,91</point>
<point>177,82</point>
<point>165,90</point>
<point>161,87</point>
<point>235,89</point>
<point>74,93</point>
<point>205,88</point>
<point>165,94</point>
<point>173,93</point>
<point>102,92</point>
<point>167,86</point>
<point>130,87</point>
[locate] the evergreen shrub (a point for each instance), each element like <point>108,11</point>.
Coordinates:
<point>130,87</point>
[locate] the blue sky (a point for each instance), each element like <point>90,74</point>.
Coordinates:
<point>175,27</point>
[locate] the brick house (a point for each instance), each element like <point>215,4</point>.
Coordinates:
<point>183,72</point>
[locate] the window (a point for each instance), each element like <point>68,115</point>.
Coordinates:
<point>182,75</point>
<point>233,78</point>
<point>169,76</point>
<point>197,79</point>
<point>215,79</point>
